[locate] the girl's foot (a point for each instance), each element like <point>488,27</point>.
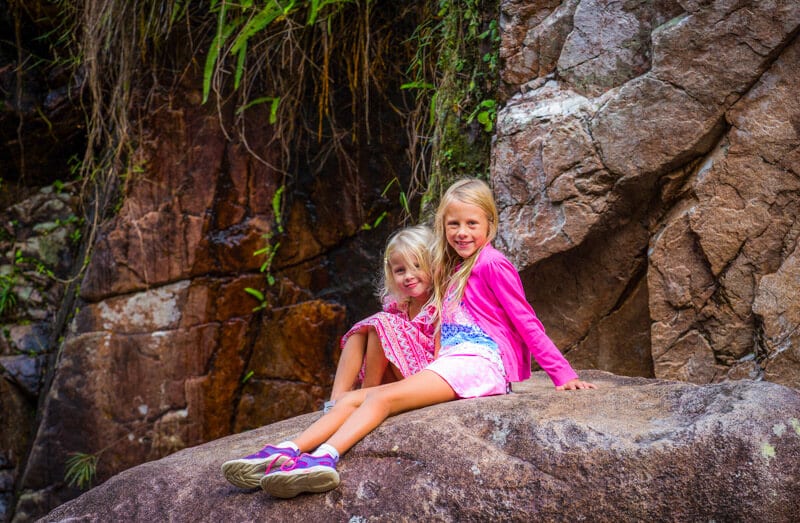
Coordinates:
<point>306,473</point>
<point>247,472</point>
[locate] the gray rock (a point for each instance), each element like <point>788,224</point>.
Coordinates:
<point>633,450</point>
<point>25,371</point>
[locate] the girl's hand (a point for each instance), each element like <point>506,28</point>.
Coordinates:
<point>576,384</point>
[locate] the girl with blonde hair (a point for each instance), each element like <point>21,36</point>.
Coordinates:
<point>385,347</point>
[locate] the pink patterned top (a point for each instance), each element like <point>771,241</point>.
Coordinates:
<point>407,343</point>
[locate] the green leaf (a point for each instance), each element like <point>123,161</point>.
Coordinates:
<point>379,219</point>
<point>266,16</point>
<point>263,250</point>
<point>318,5</point>
<point>389,185</point>
<point>237,79</point>
<point>404,202</point>
<point>255,293</point>
<point>273,110</point>
<point>223,32</point>
<point>373,225</point>
<point>417,85</point>
<point>80,469</point>
<point>276,206</point>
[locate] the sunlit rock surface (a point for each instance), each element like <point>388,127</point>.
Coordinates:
<point>634,450</point>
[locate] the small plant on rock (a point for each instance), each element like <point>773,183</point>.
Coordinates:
<point>8,299</point>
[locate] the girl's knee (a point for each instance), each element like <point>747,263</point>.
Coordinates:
<point>352,400</point>
<point>378,396</point>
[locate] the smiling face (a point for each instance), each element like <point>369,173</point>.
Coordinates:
<point>466,228</point>
<point>408,279</point>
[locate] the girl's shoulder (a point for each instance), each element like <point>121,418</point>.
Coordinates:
<point>392,306</point>
<point>491,258</point>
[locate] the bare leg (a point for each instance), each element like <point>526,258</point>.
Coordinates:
<point>391,374</point>
<point>376,361</point>
<point>349,364</point>
<point>358,412</point>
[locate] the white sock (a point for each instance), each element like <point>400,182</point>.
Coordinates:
<point>326,449</point>
<point>288,444</point>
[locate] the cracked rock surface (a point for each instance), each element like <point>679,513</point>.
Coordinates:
<point>649,183</point>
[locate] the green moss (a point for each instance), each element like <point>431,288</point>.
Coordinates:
<point>465,95</point>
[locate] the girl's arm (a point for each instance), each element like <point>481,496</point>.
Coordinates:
<point>505,283</point>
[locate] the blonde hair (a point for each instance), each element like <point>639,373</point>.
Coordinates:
<point>445,259</point>
<point>413,244</point>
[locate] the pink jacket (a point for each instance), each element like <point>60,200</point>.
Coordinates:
<point>496,299</point>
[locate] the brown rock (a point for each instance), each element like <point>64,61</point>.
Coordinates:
<point>690,165</point>
<point>635,449</point>
<point>546,132</point>
<point>610,42</point>
<point>149,380</point>
<point>532,34</point>
<point>776,307</point>
<point>742,225</point>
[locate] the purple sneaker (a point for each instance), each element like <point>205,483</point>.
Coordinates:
<point>246,472</point>
<point>306,473</point>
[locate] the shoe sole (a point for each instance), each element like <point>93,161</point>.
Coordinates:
<point>289,484</point>
<point>247,473</point>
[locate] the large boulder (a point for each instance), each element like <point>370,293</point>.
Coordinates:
<point>636,449</point>
<point>646,173</point>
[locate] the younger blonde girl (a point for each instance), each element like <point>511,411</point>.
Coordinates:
<point>397,342</point>
<point>385,347</point>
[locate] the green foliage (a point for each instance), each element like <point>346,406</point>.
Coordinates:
<point>75,236</point>
<point>458,55</point>
<point>257,294</point>
<point>486,114</point>
<point>80,469</point>
<point>39,266</point>
<point>374,225</point>
<point>277,206</point>
<point>8,298</point>
<point>269,250</point>
<point>402,198</point>
<point>241,23</point>
<point>274,102</point>
<point>224,30</point>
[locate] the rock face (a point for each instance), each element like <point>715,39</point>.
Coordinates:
<point>167,348</point>
<point>634,450</point>
<point>168,345</point>
<point>646,168</point>
<point>38,241</point>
